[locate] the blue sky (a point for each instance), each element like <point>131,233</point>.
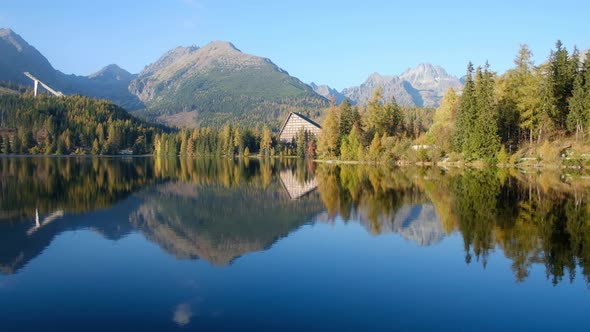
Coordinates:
<point>329,42</point>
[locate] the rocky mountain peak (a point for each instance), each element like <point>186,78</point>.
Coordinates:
<point>112,72</point>
<point>327,92</point>
<point>221,46</point>
<point>13,39</point>
<point>426,74</point>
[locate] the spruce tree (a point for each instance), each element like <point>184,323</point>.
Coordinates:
<point>348,117</point>
<point>466,113</point>
<point>562,79</point>
<point>577,116</point>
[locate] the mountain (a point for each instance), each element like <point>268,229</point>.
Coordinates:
<point>392,86</point>
<point>18,56</point>
<point>422,86</point>
<point>328,92</point>
<point>215,84</point>
<point>431,82</point>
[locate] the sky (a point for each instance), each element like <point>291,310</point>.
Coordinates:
<point>339,43</point>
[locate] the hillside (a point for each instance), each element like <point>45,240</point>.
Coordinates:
<point>18,56</point>
<point>215,84</point>
<point>72,124</point>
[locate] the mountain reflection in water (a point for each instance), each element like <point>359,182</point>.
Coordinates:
<point>218,210</point>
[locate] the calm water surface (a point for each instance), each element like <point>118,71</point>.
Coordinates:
<point>145,244</point>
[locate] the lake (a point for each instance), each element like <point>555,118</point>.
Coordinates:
<point>165,244</point>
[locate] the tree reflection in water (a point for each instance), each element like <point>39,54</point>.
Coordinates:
<point>219,209</point>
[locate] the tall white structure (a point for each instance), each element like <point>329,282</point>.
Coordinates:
<point>37,82</point>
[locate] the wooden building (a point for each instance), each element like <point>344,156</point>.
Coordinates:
<point>294,123</point>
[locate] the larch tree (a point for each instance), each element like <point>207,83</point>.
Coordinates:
<point>265,142</point>
<point>329,138</point>
<point>443,127</point>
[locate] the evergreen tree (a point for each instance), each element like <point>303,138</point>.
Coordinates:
<point>352,148</point>
<point>301,142</point>
<point>348,117</point>
<point>17,143</point>
<point>577,116</point>
<point>381,118</point>
<point>467,112</point>
<point>7,145</point>
<point>483,140</point>
<point>562,79</point>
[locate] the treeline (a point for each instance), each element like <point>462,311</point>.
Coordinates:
<point>373,132</point>
<point>70,125</point>
<point>231,141</point>
<point>81,125</point>
<point>495,117</point>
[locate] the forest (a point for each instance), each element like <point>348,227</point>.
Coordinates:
<point>70,125</point>
<point>536,113</point>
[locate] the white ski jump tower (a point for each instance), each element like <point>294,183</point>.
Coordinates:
<point>37,82</point>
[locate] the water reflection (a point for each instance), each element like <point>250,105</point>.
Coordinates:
<point>219,210</point>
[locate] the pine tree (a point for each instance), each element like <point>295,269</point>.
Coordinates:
<point>351,145</point>
<point>7,146</point>
<point>381,118</point>
<point>301,143</point>
<point>548,105</point>
<point>467,113</point>
<point>348,117</point>
<point>483,140</point>
<point>577,116</point>
<point>17,143</point>
<point>562,79</point>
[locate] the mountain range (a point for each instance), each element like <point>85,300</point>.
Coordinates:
<point>215,84</point>
<point>422,86</point>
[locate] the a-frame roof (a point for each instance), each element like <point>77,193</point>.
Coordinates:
<point>313,123</point>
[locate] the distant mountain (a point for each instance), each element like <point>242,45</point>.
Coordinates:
<point>17,56</point>
<point>392,86</point>
<point>422,86</point>
<point>328,92</point>
<point>215,84</point>
<point>431,82</point>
